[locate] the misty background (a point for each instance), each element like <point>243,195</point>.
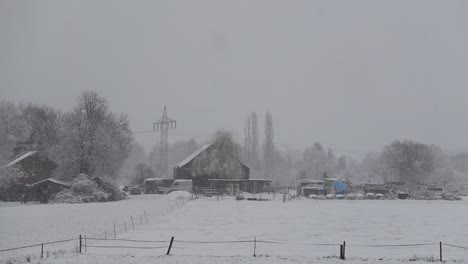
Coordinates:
<point>352,75</point>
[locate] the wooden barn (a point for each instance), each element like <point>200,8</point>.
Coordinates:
<point>34,165</point>
<point>43,190</point>
<point>185,170</point>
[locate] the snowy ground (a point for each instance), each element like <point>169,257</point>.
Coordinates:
<point>29,224</point>
<point>296,226</point>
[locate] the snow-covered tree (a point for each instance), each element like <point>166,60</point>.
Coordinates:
<point>95,141</point>
<point>12,129</point>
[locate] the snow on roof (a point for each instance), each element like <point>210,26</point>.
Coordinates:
<point>259,180</point>
<point>192,156</point>
<point>19,158</point>
<point>52,180</point>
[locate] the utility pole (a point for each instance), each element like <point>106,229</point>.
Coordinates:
<point>163,126</point>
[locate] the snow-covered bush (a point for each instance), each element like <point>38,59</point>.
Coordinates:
<point>85,190</point>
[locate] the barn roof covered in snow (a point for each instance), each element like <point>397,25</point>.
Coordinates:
<point>192,156</point>
<point>52,180</point>
<point>18,158</point>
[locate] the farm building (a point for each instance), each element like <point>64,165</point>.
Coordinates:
<point>43,190</point>
<point>231,186</point>
<point>186,170</point>
<point>36,167</point>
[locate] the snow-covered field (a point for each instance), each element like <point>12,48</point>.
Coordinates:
<point>29,224</point>
<point>295,226</point>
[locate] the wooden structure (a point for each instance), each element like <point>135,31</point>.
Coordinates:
<point>43,190</point>
<point>185,170</point>
<point>36,167</point>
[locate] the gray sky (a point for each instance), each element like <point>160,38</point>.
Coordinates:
<point>354,75</point>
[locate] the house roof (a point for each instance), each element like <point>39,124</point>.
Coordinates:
<point>18,158</point>
<point>192,156</point>
<point>52,180</point>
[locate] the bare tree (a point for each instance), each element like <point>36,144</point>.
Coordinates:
<point>317,161</point>
<point>251,144</point>
<point>268,146</point>
<point>408,161</point>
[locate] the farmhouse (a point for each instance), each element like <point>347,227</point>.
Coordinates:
<point>185,170</point>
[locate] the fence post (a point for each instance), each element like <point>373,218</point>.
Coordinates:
<point>146,216</point>
<point>85,244</point>
<point>132,222</point>
<point>125,225</point>
<point>115,232</point>
<point>344,249</point>
<point>80,243</point>
<point>255,246</point>
<point>42,250</point>
<point>440,250</point>
<point>170,246</point>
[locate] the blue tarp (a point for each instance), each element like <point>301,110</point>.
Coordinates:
<point>340,187</point>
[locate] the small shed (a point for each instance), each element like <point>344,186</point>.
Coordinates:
<point>43,190</point>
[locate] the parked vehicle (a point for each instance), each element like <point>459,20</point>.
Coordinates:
<point>156,185</point>
<point>135,190</point>
<point>180,185</point>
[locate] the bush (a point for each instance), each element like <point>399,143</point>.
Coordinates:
<point>85,190</point>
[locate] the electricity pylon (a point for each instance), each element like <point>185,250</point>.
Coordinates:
<point>163,126</point>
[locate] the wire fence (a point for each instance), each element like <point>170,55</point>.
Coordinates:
<point>109,238</point>
<point>111,233</point>
<point>253,244</point>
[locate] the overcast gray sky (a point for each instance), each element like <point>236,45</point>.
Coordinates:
<point>354,75</point>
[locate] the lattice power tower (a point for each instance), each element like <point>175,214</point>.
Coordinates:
<point>163,125</point>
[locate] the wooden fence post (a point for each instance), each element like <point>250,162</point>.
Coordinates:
<point>146,216</point>
<point>255,246</point>
<point>440,250</point>
<point>42,250</point>
<point>341,251</point>
<point>132,222</point>
<point>344,249</point>
<point>80,243</point>
<point>125,225</point>
<point>170,246</point>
